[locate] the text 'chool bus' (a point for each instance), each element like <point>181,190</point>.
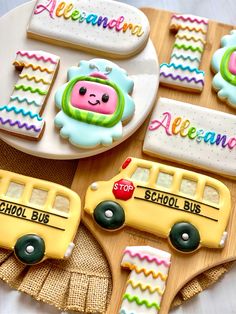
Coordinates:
<point>38,219</point>
<point>188,208</point>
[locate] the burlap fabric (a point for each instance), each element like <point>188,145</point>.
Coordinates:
<point>83,283</point>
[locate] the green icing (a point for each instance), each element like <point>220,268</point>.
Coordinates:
<point>224,66</point>
<point>88,116</point>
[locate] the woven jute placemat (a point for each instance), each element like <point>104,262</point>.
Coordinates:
<point>83,283</point>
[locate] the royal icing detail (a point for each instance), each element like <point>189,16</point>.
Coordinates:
<point>183,69</point>
<point>94,103</point>
<point>21,116</point>
<point>179,131</point>
<point>147,281</point>
<point>224,65</point>
<point>101,25</point>
<point>169,202</point>
<point>33,213</point>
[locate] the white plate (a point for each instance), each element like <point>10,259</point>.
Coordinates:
<point>143,69</point>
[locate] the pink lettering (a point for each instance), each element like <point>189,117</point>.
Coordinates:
<point>119,21</point>
<point>165,123</point>
<point>232,143</point>
<point>50,7</point>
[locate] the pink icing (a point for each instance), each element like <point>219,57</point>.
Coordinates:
<point>232,63</point>
<point>147,257</point>
<point>92,99</point>
<point>99,75</point>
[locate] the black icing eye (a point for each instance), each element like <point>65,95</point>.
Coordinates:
<point>105,98</point>
<point>82,91</point>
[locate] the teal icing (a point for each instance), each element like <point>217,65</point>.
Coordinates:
<point>90,135</point>
<point>24,99</point>
<point>86,135</point>
<point>177,56</point>
<point>183,68</point>
<point>21,111</point>
<point>226,91</point>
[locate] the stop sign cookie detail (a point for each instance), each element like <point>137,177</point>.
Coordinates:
<point>123,189</point>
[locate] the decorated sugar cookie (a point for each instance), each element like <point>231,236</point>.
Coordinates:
<point>21,116</point>
<point>182,72</point>
<point>169,202</point>
<point>38,219</point>
<point>94,103</point>
<point>146,284</point>
<point>224,65</point>
<point>108,27</point>
<point>181,132</point>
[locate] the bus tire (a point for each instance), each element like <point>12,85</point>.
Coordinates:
<point>184,237</point>
<point>30,249</point>
<point>109,215</point>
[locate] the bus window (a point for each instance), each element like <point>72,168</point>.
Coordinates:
<point>188,187</point>
<point>141,174</point>
<point>164,179</point>
<point>15,190</point>
<point>211,195</point>
<point>38,197</point>
<point>62,204</point>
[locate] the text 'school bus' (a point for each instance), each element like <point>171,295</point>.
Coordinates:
<point>38,219</point>
<point>189,208</point>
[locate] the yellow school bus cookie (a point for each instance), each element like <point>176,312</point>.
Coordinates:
<point>188,208</point>
<point>38,219</point>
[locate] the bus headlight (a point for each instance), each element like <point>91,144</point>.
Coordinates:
<point>223,239</point>
<point>94,186</point>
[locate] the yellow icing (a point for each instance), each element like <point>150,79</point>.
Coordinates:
<point>209,218</point>
<point>58,229</point>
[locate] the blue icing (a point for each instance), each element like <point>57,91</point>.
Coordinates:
<point>226,91</point>
<point>90,135</point>
<point>86,135</point>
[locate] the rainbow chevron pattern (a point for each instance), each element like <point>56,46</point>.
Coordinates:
<point>147,281</point>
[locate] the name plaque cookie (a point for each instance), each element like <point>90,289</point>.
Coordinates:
<point>111,27</point>
<point>193,135</point>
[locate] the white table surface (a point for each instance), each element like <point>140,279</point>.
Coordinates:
<point>220,298</point>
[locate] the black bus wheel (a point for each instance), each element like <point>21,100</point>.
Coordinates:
<point>184,237</point>
<point>109,215</point>
<point>30,249</point>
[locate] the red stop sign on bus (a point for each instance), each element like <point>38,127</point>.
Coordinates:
<point>123,189</point>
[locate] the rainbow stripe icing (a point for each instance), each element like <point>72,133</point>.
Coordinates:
<point>183,69</point>
<point>147,281</point>
<point>21,116</point>
<point>224,65</point>
<point>101,25</point>
<point>179,131</point>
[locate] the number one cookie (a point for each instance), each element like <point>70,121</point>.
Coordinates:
<point>146,284</point>
<point>22,114</point>
<point>183,70</point>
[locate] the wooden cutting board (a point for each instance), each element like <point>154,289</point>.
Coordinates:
<point>105,166</point>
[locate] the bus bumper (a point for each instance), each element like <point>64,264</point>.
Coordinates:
<point>69,250</point>
<point>223,239</point>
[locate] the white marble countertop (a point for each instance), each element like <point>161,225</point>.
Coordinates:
<point>220,298</point>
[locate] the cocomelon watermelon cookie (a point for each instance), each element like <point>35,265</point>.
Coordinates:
<point>94,104</point>
<point>224,65</point>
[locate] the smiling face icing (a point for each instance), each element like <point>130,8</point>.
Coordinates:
<point>94,103</point>
<point>94,97</point>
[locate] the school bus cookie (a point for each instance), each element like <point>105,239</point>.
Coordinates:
<point>102,26</point>
<point>188,208</point>
<point>38,219</point>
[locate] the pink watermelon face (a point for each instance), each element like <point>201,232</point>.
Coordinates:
<point>94,96</point>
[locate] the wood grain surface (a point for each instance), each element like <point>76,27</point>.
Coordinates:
<point>105,166</point>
